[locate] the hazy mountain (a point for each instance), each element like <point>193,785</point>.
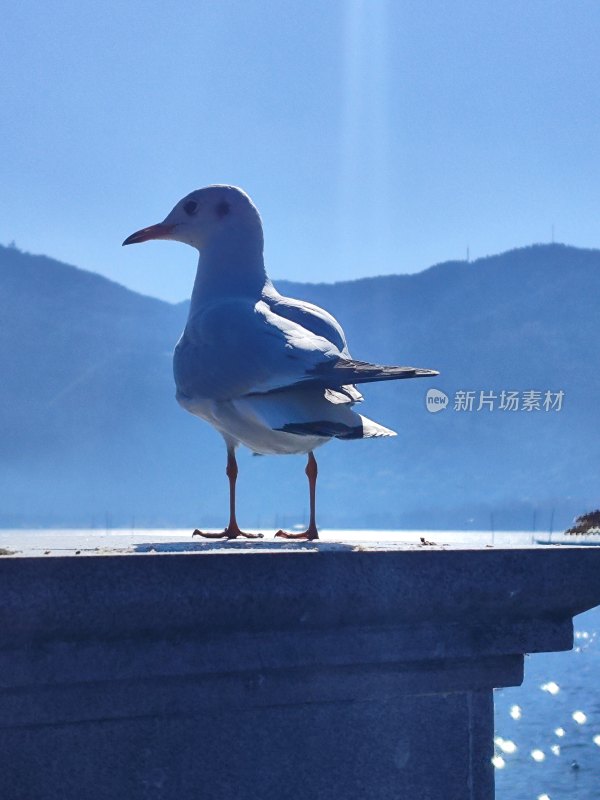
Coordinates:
<point>90,432</point>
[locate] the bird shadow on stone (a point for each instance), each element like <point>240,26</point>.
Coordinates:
<point>234,544</point>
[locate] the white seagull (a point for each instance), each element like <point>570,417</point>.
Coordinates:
<point>269,372</point>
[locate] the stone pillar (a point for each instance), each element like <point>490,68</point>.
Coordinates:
<point>269,672</point>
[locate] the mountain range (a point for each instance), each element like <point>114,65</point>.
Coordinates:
<point>91,435</point>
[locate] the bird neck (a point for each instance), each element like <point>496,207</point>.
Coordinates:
<point>230,266</point>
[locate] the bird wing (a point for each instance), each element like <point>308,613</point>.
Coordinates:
<point>336,376</point>
<point>345,370</point>
<point>321,323</point>
<point>309,316</point>
<point>236,347</point>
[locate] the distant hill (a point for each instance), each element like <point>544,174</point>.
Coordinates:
<point>90,433</point>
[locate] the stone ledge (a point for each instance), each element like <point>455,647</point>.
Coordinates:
<point>245,589</point>
<point>60,661</point>
<point>264,673</point>
<point>192,695</point>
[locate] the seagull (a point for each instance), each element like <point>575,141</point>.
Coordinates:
<point>268,372</point>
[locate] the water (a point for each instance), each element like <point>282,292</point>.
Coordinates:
<point>547,739</point>
<point>548,730</point>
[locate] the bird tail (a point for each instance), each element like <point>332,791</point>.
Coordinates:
<point>372,429</point>
<point>365,429</point>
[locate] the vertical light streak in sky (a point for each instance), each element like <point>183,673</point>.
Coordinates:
<point>366,182</point>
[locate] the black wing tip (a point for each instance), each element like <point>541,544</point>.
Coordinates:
<point>367,366</point>
<point>409,372</point>
<point>325,429</point>
<point>351,371</point>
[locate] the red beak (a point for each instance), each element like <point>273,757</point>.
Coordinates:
<point>160,231</point>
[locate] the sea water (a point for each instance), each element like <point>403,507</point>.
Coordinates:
<point>547,740</point>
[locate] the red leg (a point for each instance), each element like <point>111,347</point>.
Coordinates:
<point>311,532</point>
<point>232,531</point>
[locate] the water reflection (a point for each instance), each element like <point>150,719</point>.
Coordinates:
<point>553,720</point>
<point>551,687</point>
<point>515,712</point>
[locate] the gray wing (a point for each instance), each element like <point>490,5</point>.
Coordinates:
<point>236,348</point>
<point>309,316</point>
<point>321,323</point>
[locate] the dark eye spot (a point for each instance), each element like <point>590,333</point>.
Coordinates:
<point>222,209</point>
<point>190,207</point>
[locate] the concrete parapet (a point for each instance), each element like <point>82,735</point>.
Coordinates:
<point>267,671</point>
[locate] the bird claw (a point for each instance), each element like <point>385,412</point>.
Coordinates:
<point>308,535</point>
<point>228,533</point>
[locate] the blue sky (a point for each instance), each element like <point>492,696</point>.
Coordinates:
<point>375,137</point>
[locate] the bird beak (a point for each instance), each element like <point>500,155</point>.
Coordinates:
<point>160,231</point>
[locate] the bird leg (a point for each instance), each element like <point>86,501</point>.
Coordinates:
<point>232,531</point>
<point>311,532</point>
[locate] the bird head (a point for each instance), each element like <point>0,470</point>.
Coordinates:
<point>205,217</point>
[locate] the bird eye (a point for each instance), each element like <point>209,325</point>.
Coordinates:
<point>190,207</point>
<point>222,209</point>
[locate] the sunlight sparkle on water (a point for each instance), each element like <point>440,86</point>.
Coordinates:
<point>579,717</point>
<point>584,639</point>
<point>538,755</point>
<point>543,797</point>
<point>582,635</point>
<point>506,745</point>
<point>515,712</point>
<point>555,748</point>
<point>498,762</point>
<point>550,687</point>
<point>596,739</point>
<point>559,731</point>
